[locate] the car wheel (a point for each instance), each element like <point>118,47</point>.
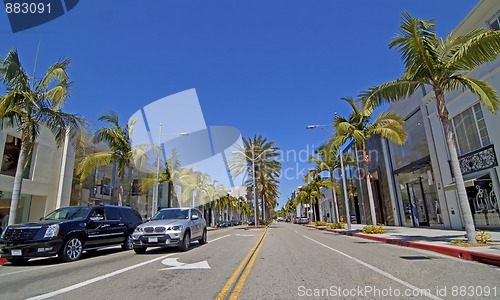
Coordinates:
<point>140,250</point>
<point>184,246</point>
<point>18,261</point>
<point>128,244</point>
<point>72,249</point>
<point>203,239</point>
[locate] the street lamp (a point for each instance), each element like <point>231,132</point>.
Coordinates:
<point>156,187</point>
<point>346,200</point>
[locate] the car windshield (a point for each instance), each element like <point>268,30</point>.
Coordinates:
<point>69,213</point>
<point>172,214</point>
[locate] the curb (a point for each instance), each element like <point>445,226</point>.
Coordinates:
<point>2,261</point>
<point>485,258</point>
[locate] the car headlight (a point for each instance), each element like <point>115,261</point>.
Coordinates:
<point>176,228</point>
<point>139,229</point>
<point>3,232</point>
<point>51,231</point>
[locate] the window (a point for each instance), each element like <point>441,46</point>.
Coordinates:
<point>112,213</point>
<point>494,23</point>
<point>470,130</point>
<point>11,152</point>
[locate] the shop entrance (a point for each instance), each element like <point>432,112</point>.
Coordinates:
<point>418,204</point>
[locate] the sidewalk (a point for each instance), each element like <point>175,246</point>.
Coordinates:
<point>437,240</point>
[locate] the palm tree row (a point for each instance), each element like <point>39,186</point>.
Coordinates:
<point>256,161</point>
<point>442,64</point>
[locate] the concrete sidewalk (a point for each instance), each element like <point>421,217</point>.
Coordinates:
<point>437,240</point>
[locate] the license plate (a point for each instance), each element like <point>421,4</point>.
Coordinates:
<point>16,252</point>
<point>153,240</point>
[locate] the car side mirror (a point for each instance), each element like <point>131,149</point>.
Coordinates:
<point>195,217</point>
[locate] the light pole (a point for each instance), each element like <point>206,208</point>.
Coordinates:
<point>346,200</point>
<point>154,204</point>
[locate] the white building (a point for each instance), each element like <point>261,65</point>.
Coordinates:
<point>48,179</point>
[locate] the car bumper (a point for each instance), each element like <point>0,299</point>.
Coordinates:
<point>30,249</point>
<point>157,240</point>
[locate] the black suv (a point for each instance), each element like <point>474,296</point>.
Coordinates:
<point>68,231</point>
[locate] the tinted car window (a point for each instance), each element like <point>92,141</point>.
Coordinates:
<point>69,213</point>
<point>112,213</point>
<point>130,215</point>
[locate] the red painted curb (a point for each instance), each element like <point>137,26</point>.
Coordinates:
<point>486,258</point>
<point>2,261</point>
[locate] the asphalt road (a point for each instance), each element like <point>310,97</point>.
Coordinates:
<point>291,262</point>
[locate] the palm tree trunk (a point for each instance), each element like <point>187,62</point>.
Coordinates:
<point>18,181</point>
<point>334,197</point>
<point>369,187</point>
<point>455,167</point>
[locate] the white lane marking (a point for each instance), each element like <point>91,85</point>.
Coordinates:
<point>176,265</point>
<point>238,234</point>
<point>381,272</point>
<point>219,238</point>
<point>93,280</point>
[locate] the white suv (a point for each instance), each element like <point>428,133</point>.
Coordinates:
<point>171,227</point>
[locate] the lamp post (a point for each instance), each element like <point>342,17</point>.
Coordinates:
<point>346,199</point>
<point>154,204</point>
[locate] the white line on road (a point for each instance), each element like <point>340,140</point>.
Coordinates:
<point>219,238</point>
<point>381,272</point>
<point>90,281</point>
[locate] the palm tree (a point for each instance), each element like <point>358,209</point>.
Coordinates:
<point>261,153</point>
<point>121,153</point>
<point>359,128</point>
<point>30,103</point>
<point>308,195</point>
<point>443,64</point>
<point>327,160</point>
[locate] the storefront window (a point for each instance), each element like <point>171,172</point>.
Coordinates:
<point>419,198</point>
<point>12,149</point>
<point>415,147</point>
<point>470,130</point>
<point>23,207</point>
<point>484,202</point>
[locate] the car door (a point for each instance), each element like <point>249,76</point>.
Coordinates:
<point>117,228</point>
<point>195,224</point>
<point>96,228</point>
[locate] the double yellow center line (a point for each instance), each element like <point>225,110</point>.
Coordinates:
<point>241,273</point>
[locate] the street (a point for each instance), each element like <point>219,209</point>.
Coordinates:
<point>292,262</point>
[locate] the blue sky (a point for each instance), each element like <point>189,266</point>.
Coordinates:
<point>264,67</point>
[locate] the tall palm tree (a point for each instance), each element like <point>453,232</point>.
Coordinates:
<point>442,64</point>
<point>263,154</point>
<point>308,195</point>
<point>327,160</point>
<point>119,140</point>
<point>360,128</point>
<point>30,103</point>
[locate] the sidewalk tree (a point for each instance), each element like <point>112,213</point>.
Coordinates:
<point>442,64</point>
<point>121,152</point>
<point>359,128</point>
<point>30,103</point>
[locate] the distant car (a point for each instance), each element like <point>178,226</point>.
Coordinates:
<point>171,227</point>
<point>303,220</point>
<point>68,231</point>
<point>234,222</point>
<point>287,219</point>
<point>222,223</point>
<point>279,219</point>
<point>251,222</point>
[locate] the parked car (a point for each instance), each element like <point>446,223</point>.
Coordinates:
<point>279,219</point>
<point>171,227</point>
<point>303,220</point>
<point>287,219</point>
<point>68,231</point>
<point>222,223</point>
<point>251,222</point>
<point>235,222</point>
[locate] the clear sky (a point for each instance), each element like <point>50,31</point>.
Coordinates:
<point>265,67</point>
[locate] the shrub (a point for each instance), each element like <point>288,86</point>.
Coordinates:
<point>340,225</point>
<point>321,223</point>
<point>483,237</point>
<point>371,229</point>
<point>457,241</point>
<point>265,222</point>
